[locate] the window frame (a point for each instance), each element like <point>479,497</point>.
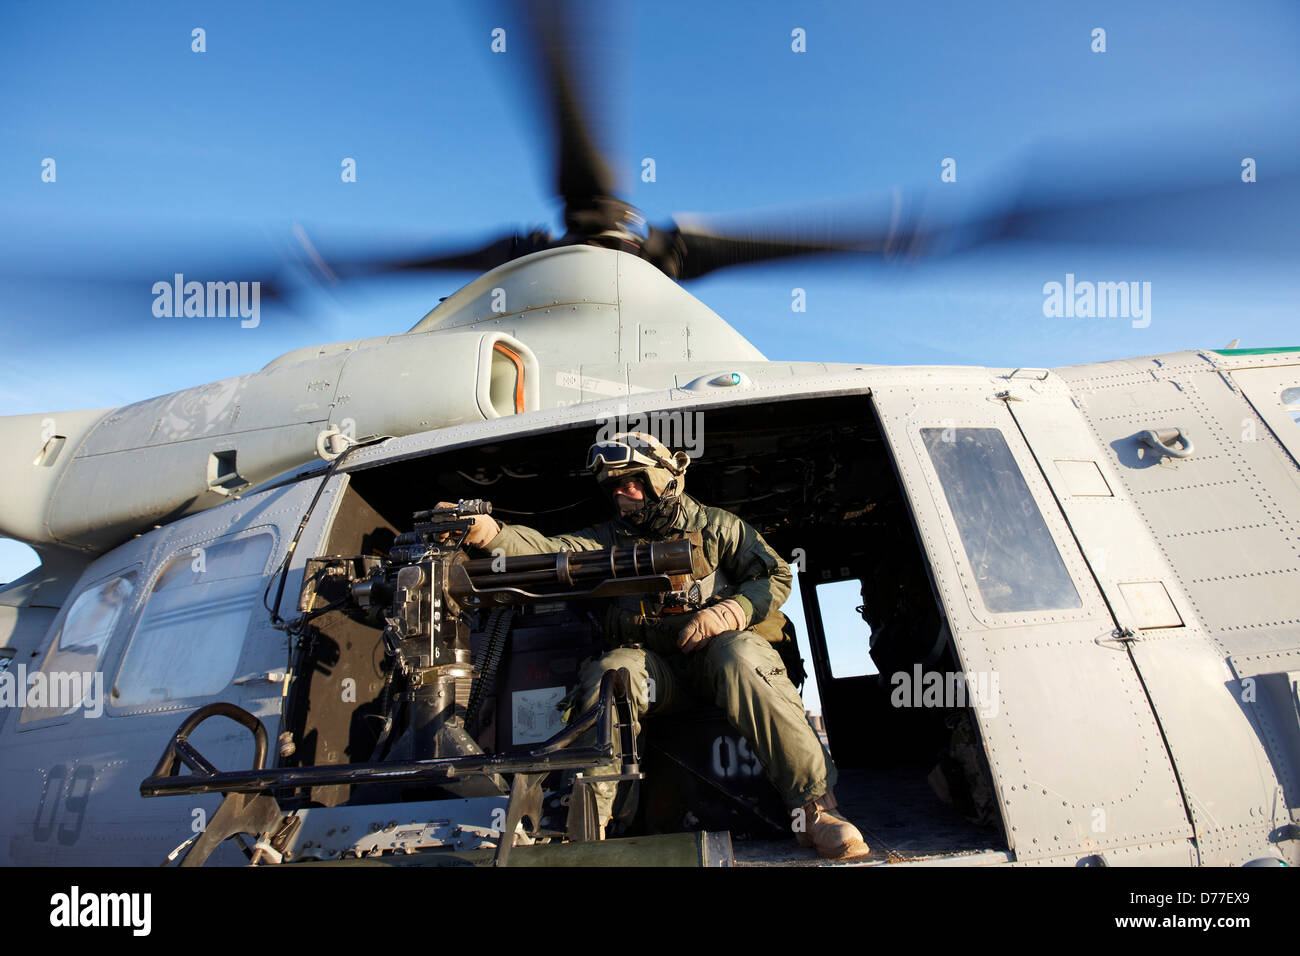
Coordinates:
<point>105,658</point>
<point>1039,491</point>
<point>1029,507</point>
<point>831,655</point>
<point>112,708</point>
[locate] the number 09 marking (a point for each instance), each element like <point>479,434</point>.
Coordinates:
<point>74,797</point>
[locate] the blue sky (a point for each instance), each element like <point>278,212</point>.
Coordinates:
<point>168,159</point>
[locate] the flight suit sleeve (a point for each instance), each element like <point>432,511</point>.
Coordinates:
<point>760,579</point>
<point>517,539</point>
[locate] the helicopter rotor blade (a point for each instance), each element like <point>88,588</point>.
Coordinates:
<point>564,54</point>
<point>482,258</point>
<point>1194,213</point>
<point>691,248</point>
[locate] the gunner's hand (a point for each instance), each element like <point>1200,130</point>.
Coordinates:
<point>706,624</point>
<point>484,530</point>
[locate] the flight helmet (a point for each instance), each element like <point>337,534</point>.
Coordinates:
<point>638,455</point>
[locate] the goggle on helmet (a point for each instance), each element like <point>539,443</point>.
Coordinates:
<point>637,455</point>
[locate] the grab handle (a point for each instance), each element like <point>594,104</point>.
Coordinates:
<point>1160,441</point>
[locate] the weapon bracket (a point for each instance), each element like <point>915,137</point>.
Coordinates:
<point>250,806</point>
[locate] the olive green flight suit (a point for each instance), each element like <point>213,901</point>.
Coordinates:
<point>739,671</point>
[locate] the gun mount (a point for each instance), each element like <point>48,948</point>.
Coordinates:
<point>424,593</point>
<point>427,587</point>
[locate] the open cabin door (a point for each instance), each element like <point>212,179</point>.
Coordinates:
<point>1079,764</point>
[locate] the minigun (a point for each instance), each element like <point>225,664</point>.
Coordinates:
<point>425,590</point>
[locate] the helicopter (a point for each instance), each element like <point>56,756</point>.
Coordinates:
<point>1072,579</point>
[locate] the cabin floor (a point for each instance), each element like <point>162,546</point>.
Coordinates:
<point>900,817</point>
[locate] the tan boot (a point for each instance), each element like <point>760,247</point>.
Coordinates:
<point>834,837</point>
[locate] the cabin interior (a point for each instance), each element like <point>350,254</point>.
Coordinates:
<point>816,479</point>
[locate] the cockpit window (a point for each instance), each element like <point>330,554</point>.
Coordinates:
<point>191,635</point>
<point>1014,559</point>
<point>73,658</point>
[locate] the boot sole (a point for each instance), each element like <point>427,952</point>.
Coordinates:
<point>852,850</point>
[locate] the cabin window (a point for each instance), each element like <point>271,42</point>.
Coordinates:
<point>848,636</point>
<point>1291,402</point>
<point>73,658</point>
<point>1012,555</point>
<point>191,635</point>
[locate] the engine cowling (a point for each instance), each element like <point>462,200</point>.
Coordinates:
<point>91,479</point>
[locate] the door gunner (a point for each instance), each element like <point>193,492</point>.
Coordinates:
<point>710,641</point>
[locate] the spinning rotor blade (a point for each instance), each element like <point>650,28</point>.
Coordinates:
<point>1211,210</point>
<point>480,259</point>
<point>563,52</point>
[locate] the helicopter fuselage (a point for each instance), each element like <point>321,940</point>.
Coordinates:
<point>1106,548</point>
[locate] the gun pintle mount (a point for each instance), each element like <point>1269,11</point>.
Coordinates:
<point>426,587</point>
<point>424,591</point>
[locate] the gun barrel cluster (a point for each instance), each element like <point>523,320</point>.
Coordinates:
<point>573,568</point>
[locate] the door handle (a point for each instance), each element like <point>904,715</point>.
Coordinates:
<point>262,677</point>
